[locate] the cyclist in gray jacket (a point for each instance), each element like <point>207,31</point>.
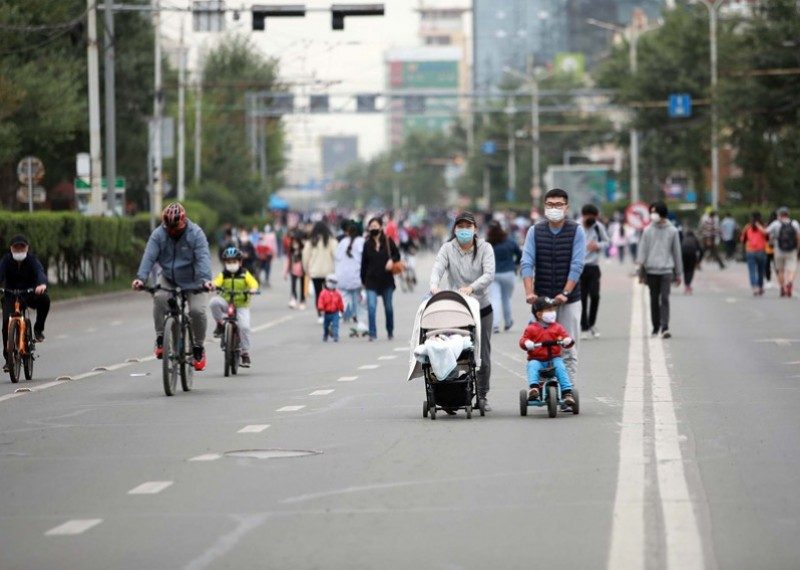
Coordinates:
<point>180,248</point>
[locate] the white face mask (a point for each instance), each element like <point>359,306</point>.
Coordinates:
<point>19,256</point>
<point>554,214</point>
<point>655,218</point>
<point>549,317</point>
<point>232,267</point>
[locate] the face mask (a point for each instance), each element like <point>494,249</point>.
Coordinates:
<point>549,317</point>
<point>374,233</point>
<point>464,235</point>
<point>554,214</point>
<point>19,256</point>
<point>654,217</point>
<point>232,267</point>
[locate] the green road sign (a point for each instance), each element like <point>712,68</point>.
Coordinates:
<point>83,185</point>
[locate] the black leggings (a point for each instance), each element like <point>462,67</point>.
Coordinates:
<point>590,296</point>
<point>319,285</point>
<point>689,265</point>
<point>301,281</point>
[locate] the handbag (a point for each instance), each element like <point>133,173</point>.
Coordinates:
<point>393,267</point>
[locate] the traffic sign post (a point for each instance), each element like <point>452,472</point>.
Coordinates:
<point>680,105</point>
<point>30,171</point>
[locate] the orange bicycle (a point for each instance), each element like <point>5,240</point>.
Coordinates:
<point>21,342</point>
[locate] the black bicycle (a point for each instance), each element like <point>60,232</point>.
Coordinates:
<point>21,346</point>
<point>178,343</point>
<point>230,343</point>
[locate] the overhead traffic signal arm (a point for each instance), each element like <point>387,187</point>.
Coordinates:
<point>263,11</point>
<point>340,11</point>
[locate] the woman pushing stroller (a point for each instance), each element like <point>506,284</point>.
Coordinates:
<point>468,264</point>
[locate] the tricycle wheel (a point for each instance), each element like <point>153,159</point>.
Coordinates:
<point>552,401</point>
<point>576,407</point>
<point>523,402</point>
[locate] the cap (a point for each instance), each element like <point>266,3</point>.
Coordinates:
<point>783,211</point>
<point>19,239</point>
<point>466,217</point>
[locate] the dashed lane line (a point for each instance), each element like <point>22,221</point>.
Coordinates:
<point>73,527</point>
<point>401,349</point>
<point>150,488</point>
<point>390,357</point>
<point>290,409</point>
<point>255,428</point>
<point>369,367</point>
<point>320,392</point>
<point>347,379</point>
<point>206,457</point>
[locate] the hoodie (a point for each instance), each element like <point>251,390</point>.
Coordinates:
<point>660,250</point>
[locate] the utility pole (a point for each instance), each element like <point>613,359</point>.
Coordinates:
<point>198,118</point>
<point>111,118</point>
<point>181,120</point>
<point>536,189</point>
<point>512,149</point>
<point>634,134</point>
<point>95,143</point>
<point>158,96</point>
<point>713,16</point>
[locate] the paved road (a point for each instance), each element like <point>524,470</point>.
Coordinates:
<point>685,454</point>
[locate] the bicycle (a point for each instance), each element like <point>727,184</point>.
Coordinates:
<point>21,344</point>
<point>178,342</point>
<point>230,336</point>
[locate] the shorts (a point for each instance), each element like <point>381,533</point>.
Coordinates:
<point>786,260</point>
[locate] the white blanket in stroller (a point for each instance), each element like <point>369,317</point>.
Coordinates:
<point>442,351</point>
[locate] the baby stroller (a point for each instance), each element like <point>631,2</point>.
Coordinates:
<point>447,318</point>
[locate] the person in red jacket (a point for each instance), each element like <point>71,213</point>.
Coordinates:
<point>331,305</point>
<point>545,328</point>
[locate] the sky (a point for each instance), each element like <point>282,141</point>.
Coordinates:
<point>349,61</point>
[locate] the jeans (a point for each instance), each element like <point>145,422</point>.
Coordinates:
<point>219,307</point>
<point>372,307</point>
<point>535,366</point>
<point>331,320</point>
<point>590,296</point>
<point>352,298</point>
<point>500,292</point>
<point>659,286</point>
<point>756,265</point>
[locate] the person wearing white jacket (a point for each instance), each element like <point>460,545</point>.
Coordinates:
<point>348,272</point>
<point>318,258</point>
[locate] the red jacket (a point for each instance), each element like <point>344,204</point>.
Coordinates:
<point>537,333</point>
<point>330,301</point>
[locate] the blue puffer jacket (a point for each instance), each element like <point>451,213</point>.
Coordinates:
<point>186,262</point>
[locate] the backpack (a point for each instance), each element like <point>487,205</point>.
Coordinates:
<point>787,237</point>
<point>689,246</point>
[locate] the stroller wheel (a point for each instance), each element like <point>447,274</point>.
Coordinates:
<point>433,413</point>
<point>469,412</point>
<point>523,402</point>
<point>425,409</point>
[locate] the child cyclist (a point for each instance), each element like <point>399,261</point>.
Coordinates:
<point>330,304</point>
<point>234,278</point>
<point>541,329</point>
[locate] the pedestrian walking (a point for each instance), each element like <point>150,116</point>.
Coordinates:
<point>618,233</point>
<point>318,259</point>
<point>377,261</point>
<point>785,236</point>
<point>754,239</point>
<point>507,257</point>
<point>469,265</point>
<point>266,248</point>
<point>710,233</point>
<point>552,263</point>
<point>596,241</point>
<point>727,231</point>
<point>660,265</point>
<point>294,269</point>
<point>348,273</point>
<point>691,255</point>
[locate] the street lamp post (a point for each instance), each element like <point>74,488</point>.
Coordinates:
<point>512,149</point>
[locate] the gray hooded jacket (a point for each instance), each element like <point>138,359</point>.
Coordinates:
<point>186,262</point>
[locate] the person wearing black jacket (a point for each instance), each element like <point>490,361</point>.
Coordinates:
<point>380,254</point>
<point>20,269</point>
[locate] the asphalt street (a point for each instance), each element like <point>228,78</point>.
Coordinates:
<point>686,453</point>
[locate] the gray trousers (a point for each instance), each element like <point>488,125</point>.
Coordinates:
<point>198,307</point>
<point>569,316</point>
<point>486,356</point>
<point>659,286</point>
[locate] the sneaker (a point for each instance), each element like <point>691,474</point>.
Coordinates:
<point>533,393</point>
<point>584,335</point>
<point>594,333</point>
<point>38,335</point>
<point>199,358</point>
<point>666,334</point>
<point>508,327</point>
<point>159,352</point>
<point>219,330</point>
<point>292,304</point>
<point>568,399</point>
<point>496,330</point>
<point>391,337</point>
<point>783,291</point>
<point>320,320</point>
<point>324,338</point>
<point>245,363</point>
<point>486,406</point>
<point>301,307</point>
<point>655,331</point>
<point>336,339</point>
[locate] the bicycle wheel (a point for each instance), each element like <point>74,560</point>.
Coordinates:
<point>187,355</point>
<point>236,352</point>
<point>171,356</point>
<point>227,346</point>
<point>14,360</point>
<point>27,360</point>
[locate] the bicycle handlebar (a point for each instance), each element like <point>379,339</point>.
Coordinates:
<point>547,343</point>
<point>224,291</point>
<point>177,290</point>
<point>17,291</point>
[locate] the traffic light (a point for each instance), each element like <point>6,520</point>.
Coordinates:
<point>340,11</point>
<point>365,103</point>
<point>263,11</point>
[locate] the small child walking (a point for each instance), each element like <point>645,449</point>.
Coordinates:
<point>544,329</point>
<point>331,305</point>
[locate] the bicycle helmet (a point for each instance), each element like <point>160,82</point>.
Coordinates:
<point>174,216</point>
<point>231,252</point>
<point>542,303</point>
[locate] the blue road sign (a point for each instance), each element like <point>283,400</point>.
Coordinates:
<point>489,147</point>
<point>680,105</point>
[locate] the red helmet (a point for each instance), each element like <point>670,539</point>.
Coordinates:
<point>174,217</point>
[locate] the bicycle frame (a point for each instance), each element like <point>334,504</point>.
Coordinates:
<point>19,318</point>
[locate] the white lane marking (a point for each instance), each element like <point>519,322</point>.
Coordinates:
<point>516,373</point>
<point>401,349</point>
<point>271,324</point>
<point>320,392</point>
<point>75,526</point>
<point>62,336</point>
<point>627,531</point>
<point>731,300</point>
<point>794,363</point>
<point>369,367</point>
<point>347,379</point>
<point>150,488</point>
<point>226,542</point>
<point>255,428</point>
<point>115,323</point>
<point>390,357</point>
<point>10,396</point>
<point>206,457</point>
<point>290,409</point>
<point>684,546</point>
